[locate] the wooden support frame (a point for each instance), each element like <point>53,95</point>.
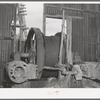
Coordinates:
<point>69,40</point>
<point>61,43</point>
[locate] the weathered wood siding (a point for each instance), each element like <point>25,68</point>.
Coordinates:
<point>85,31</point>
<point>7,14</point>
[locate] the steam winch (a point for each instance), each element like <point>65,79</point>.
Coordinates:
<point>43,53</point>
<point>40,52</point>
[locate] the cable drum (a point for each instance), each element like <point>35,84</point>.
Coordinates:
<point>47,49</point>
<point>52,45</point>
<point>52,48</point>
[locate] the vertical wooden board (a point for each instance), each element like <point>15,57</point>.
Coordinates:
<point>89,35</point>
<point>85,25</point>
<point>83,42</point>
<point>9,19</point>
<point>98,37</point>
<point>69,39</point>
<point>93,53</point>
<point>2,62</point>
<point>81,45</point>
<point>0,51</point>
<point>3,26</point>
<point>96,29</point>
<point>87,38</point>
<point>6,16</point>
<point>92,36</point>
<point>3,51</point>
<point>0,22</point>
<point>73,38</point>
<point>73,45</point>
<point>1,18</point>
<point>3,22</point>
<point>82,37</point>
<point>5,35</point>
<point>7,22</point>
<point>44,24</point>
<point>7,50</point>
<point>77,36</point>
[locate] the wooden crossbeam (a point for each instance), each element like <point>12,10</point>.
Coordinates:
<point>60,16</point>
<point>73,9</point>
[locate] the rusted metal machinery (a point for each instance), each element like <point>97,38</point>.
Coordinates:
<point>42,53</point>
<point>20,72</point>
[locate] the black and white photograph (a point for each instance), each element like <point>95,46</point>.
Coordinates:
<point>49,45</point>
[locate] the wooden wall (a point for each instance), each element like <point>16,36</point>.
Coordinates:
<point>85,31</point>
<point>7,14</point>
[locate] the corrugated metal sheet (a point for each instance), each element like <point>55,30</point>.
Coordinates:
<point>7,14</point>
<point>84,31</point>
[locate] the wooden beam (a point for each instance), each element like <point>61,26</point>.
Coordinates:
<point>61,43</point>
<point>44,21</point>
<point>73,9</point>
<point>44,24</point>
<point>51,68</point>
<point>91,43</point>
<point>60,16</point>
<point>15,30</point>
<point>6,38</point>
<point>69,40</point>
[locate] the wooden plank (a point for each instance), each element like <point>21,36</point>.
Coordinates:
<point>98,37</point>
<point>86,35</point>
<point>89,37</point>
<point>92,34</point>
<point>69,39</point>
<point>74,9</point>
<point>44,24</point>
<point>60,16</point>
<point>82,40</point>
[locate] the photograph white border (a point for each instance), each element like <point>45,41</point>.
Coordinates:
<point>50,93</point>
